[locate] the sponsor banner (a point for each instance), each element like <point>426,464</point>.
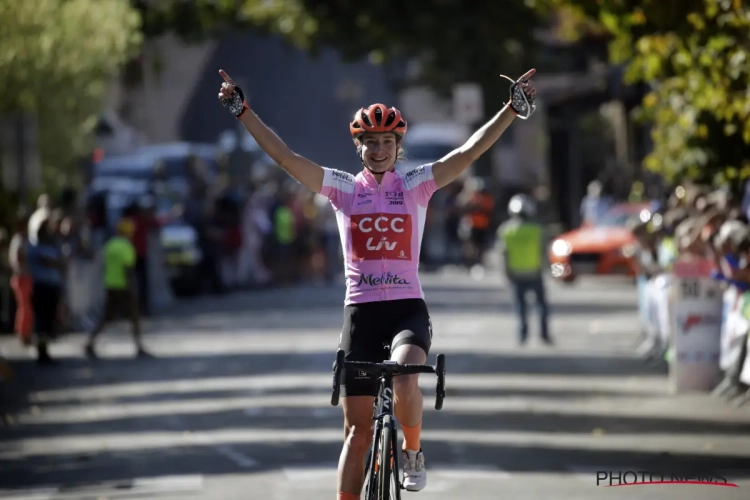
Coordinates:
<point>696,328</point>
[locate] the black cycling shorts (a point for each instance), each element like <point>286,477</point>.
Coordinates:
<point>375,329</point>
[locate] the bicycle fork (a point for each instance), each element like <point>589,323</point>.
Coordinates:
<point>382,413</point>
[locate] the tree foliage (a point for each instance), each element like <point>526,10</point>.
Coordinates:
<point>57,60</point>
<point>454,40</point>
<point>694,54</point>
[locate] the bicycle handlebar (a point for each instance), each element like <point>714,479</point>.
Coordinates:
<point>391,370</point>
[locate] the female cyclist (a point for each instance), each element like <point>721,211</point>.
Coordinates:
<point>381,215</point>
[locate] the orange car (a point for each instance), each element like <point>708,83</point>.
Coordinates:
<point>604,248</point>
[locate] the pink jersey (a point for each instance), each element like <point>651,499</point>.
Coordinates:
<point>381,227</point>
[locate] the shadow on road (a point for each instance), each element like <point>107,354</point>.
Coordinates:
<point>319,417</point>
<point>153,390</point>
<point>79,372</point>
<point>123,464</point>
<point>82,469</point>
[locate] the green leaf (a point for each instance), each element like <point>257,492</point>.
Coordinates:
<point>57,60</point>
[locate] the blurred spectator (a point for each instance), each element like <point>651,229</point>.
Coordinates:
<point>637,192</point>
<point>330,240</point>
<point>309,229</point>
<point>199,214</point>
<point>229,222</point>
<point>47,266</point>
<point>594,205</point>
<point>21,282</point>
<point>255,226</point>
<point>68,200</point>
<point>143,215</point>
<point>478,206</point>
<point>55,229</point>
<point>44,202</point>
<point>42,213</point>
<point>523,249</point>
<point>697,223</point>
<point>285,235</point>
<point>96,215</point>
<point>667,247</point>
<point>647,267</point>
<point>121,292</point>
<point>453,222</point>
<point>645,252</point>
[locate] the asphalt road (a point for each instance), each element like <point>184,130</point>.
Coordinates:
<point>236,406</point>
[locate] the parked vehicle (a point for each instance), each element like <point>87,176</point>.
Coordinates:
<point>605,248</point>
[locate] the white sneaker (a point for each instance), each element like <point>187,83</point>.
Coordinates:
<point>415,475</point>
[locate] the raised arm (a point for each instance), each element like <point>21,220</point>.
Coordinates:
<point>308,173</point>
<point>448,168</point>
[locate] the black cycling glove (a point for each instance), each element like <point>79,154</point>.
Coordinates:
<point>236,104</point>
<point>521,102</point>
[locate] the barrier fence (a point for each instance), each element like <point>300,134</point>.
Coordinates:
<point>701,326</point>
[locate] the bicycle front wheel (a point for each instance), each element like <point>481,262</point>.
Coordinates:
<point>389,484</point>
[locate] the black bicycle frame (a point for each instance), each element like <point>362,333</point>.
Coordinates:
<point>384,400</point>
<point>384,406</point>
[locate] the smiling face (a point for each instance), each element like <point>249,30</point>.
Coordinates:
<point>379,151</point>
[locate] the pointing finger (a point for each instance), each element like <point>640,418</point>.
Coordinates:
<point>528,74</point>
<point>226,77</point>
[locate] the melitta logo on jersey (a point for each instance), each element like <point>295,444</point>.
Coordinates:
<point>342,175</point>
<point>378,236</point>
<point>383,279</point>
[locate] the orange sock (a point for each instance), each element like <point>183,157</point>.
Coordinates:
<point>411,437</point>
<point>347,496</point>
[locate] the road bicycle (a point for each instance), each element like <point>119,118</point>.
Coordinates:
<point>382,478</point>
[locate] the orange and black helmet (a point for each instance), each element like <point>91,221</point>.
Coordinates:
<point>377,118</point>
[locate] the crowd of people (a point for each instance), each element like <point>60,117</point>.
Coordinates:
<point>701,225</point>
<point>259,233</point>
<point>274,232</point>
<point>35,261</point>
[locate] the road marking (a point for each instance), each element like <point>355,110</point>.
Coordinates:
<point>322,381</point>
